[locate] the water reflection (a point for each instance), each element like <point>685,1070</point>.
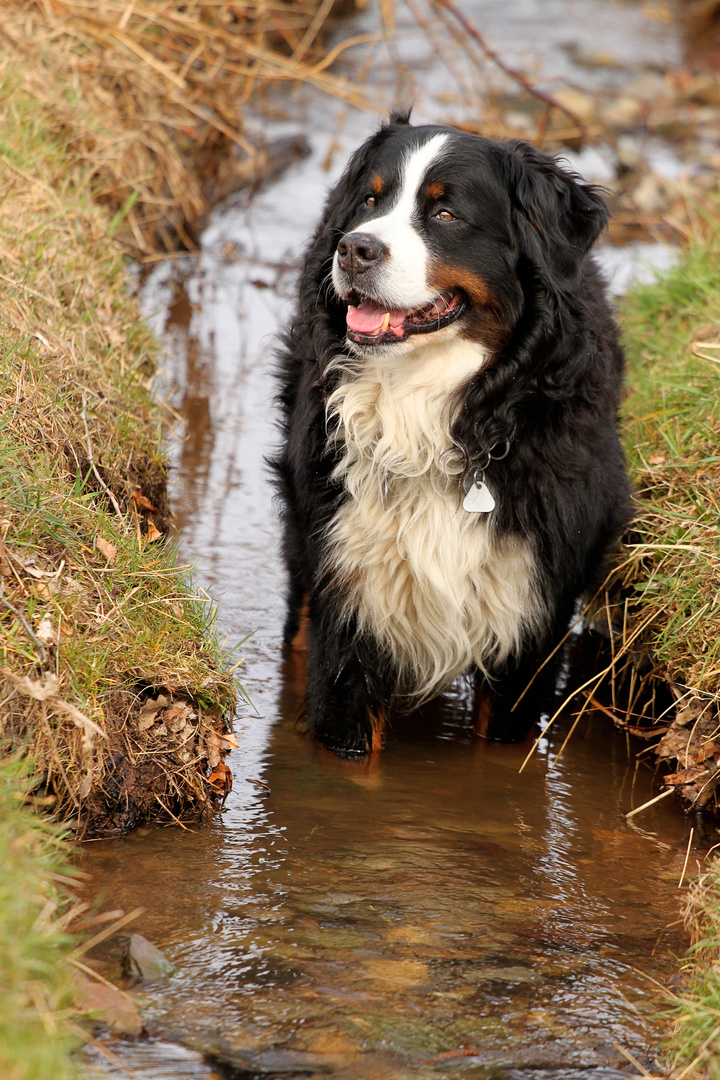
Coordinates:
<point>196,447</point>
<point>435,915</point>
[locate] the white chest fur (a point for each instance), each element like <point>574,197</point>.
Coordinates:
<point>429,580</point>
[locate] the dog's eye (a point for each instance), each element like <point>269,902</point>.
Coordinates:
<point>370,200</point>
<point>445,215</point>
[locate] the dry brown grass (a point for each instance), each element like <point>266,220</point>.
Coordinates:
<point>150,96</point>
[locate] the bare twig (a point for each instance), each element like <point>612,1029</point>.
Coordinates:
<point>650,802</point>
<point>512,73</point>
<point>91,459</point>
<point>19,615</point>
<point>687,856</point>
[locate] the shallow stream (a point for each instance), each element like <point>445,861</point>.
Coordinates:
<point>434,914</point>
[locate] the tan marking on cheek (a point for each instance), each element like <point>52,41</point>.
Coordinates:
<point>485,321</point>
<point>376,184</point>
<point>435,191</point>
<point>444,277</point>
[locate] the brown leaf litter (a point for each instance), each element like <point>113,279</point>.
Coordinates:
<point>691,747</point>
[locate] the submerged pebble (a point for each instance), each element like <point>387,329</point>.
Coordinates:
<point>141,959</point>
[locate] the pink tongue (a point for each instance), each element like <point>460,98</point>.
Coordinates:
<point>369,317</point>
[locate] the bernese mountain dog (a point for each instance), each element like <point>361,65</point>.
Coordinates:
<point>450,474</point>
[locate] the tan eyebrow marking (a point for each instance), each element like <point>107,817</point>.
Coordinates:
<point>436,190</point>
<point>376,184</point>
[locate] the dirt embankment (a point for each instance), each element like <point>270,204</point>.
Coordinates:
<point>121,124</point>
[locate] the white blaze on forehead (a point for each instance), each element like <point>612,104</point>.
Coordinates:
<point>404,277</point>
<point>415,164</point>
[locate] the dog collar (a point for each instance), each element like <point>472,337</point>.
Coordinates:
<point>478,497</point>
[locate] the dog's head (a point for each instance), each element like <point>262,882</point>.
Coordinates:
<point>434,231</point>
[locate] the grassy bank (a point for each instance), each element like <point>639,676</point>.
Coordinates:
<point>35,1035</point>
<point>152,97</point>
<point>109,672</point>
<point>695,1045</point>
<point>111,678</point>
<point>671,576</point>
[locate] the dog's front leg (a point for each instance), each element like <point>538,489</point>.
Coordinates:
<point>347,695</point>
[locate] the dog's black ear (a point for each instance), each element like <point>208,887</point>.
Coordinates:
<point>401,116</point>
<point>558,211</point>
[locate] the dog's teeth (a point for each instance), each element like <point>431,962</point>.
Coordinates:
<point>386,321</point>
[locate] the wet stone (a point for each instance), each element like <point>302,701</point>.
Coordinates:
<point>141,959</point>
<point>508,976</point>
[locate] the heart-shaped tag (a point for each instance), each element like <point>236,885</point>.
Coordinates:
<point>478,499</point>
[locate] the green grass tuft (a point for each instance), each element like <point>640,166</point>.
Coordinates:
<point>673,441</point>
<point>35,1003</point>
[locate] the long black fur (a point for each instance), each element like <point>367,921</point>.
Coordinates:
<point>552,391</point>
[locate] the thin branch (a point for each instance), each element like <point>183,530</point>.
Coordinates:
<point>91,458</point>
<point>517,76</point>
<point>19,615</point>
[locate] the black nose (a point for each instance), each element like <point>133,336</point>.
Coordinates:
<point>358,252</point>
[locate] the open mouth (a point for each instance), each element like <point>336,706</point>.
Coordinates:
<point>371,323</point>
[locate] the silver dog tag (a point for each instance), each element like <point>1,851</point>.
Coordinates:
<point>479,499</point>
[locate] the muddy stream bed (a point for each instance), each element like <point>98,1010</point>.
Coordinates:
<point>434,914</point>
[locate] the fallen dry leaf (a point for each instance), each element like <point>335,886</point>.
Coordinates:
<point>230,740</point>
<point>176,716</point>
<point>144,503</point>
<point>152,533</point>
<point>41,575</point>
<point>687,776</point>
<point>147,721</point>
<point>149,711</point>
<point>220,779</point>
<point>46,631</point>
<point>5,567</point>
<point>214,750</point>
<point>107,549</point>
<point>45,590</point>
<point>657,459</point>
<point>85,786</point>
